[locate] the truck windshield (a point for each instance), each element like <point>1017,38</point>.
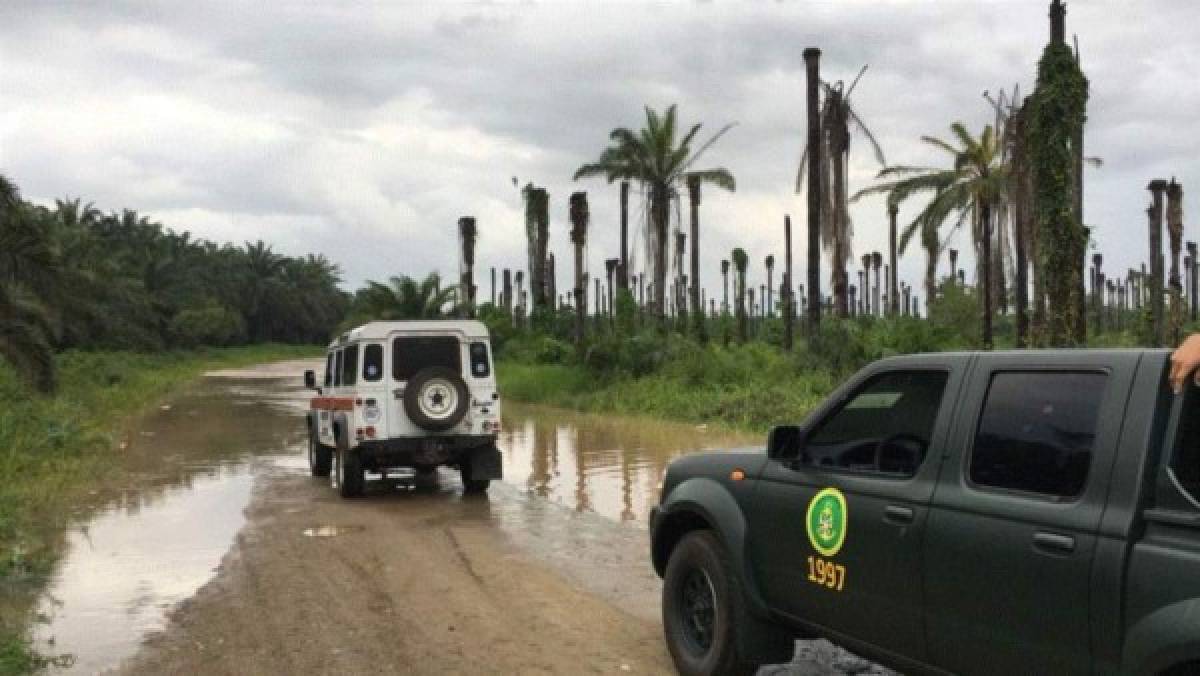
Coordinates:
<point>410,354</point>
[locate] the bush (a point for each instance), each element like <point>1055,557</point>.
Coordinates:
<point>210,324</point>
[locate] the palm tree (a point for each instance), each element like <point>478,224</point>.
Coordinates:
<point>403,297</point>
<point>661,162</point>
<point>976,183</point>
<point>837,231</point>
<point>26,326</point>
<point>740,261</point>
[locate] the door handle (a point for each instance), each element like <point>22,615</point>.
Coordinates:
<point>897,514</point>
<point>1053,543</point>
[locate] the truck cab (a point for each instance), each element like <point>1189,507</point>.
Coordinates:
<point>406,394</point>
<point>968,513</point>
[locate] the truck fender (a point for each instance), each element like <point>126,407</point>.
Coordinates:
<point>1168,637</point>
<point>703,503</point>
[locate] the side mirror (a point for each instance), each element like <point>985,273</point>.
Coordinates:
<point>784,442</point>
<point>310,379</point>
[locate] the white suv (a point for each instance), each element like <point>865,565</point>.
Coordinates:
<point>406,394</point>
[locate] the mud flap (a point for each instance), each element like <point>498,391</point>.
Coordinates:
<point>485,463</point>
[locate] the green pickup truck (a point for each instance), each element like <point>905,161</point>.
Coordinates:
<point>1032,512</point>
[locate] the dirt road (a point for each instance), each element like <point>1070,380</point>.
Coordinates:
<point>401,581</point>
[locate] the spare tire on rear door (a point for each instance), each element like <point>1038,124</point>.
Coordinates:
<point>436,398</point>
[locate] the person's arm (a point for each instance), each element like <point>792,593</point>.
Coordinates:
<point>1184,361</point>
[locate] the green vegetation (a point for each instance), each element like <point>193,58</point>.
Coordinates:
<point>53,449</point>
<point>72,277</point>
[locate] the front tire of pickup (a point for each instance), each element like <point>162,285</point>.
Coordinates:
<point>701,599</point>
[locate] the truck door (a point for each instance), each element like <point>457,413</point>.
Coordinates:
<point>837,533</point>
<point>1013,523</point>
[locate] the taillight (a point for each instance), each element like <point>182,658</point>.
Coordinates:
<point>371,431</point>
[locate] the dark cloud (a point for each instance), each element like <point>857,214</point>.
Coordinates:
<point>365,131</point>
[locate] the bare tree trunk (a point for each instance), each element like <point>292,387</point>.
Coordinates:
<point>693,186</point>
<point>788,313</point>
<point>1193,282</point>
<point>840,225</point>
<point>466,231</point>
<point>1157,188</point>
<point>624,269</point>
<point>986,217</point>
<point>812,66</point>
<point>1175,237</point>
<point>660,216</point>
<point>578,209</point>
<point>894,275</point>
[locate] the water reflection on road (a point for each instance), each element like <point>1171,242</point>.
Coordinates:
<point>597,463</point>
<point>191,467</point>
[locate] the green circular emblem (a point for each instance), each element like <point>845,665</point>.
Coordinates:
<point>826,521</point>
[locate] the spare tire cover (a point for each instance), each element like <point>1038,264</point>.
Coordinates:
<point>436,398</point>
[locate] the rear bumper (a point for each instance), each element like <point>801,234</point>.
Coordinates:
<point>423,451</point>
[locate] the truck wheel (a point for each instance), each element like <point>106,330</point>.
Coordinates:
<point>320,457</point>
<point>436,398</point>
<point>701,598</point>
<point>347,475</point>
<point>472,486</point>
<point>425,478</point>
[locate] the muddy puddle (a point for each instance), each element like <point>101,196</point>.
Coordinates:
<point>595,463</point>
<point>190,466</point>
<point>577,491</point>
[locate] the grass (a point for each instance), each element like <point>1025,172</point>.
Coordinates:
<point>749,387</point>
<point>54,449</point>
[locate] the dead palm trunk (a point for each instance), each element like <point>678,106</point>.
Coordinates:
<point>467,233</point>
<point>1020,196</point>
<point>894,277</point>
<point>1157,188</point>
<point>985,209</point>
<point>693,187</point>
<point>876,262</point>
<point>840,225</point>
<point>537,224</point>
<point>1175,237</point>
<point>660,216</point>
<point>812,66</point>
<point>770,263</point>
<point>578,209</point>
<point>725,284</point>
<point>740,262</point>
<point>623,271</point>
<point>786,295</point>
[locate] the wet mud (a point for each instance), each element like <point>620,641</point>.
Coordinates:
<point>225,557</point>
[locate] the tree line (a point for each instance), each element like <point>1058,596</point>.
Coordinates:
<point>74,277</point>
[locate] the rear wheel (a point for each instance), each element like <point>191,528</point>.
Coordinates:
<point>472,486</point>
<point>701,599</point>
<point>320,457</point>
<point>347,477</point>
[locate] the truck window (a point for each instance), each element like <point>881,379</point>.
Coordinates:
<point>329,370</point>
<point>413,353</point>
<point>373,362</point>
<point>1185,461</point>
<point>349,364</point>
<point>479,360</point>
<point>337,369</point>
<point>884,427</point>
<point>1036,432</point>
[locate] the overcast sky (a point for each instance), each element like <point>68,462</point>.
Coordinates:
<point>364,132</point>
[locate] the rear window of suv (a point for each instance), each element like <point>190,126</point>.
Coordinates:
<point>411,354</point>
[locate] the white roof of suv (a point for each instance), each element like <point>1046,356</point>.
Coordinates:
<point>381,330</point>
